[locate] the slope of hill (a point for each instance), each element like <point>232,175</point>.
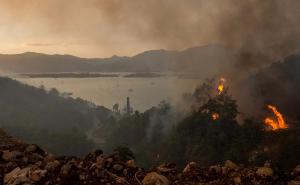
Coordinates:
<point>59,124</point>
<point>277,84</point>
<point>206,59</point>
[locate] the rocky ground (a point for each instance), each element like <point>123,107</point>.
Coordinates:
<point>22,163</point>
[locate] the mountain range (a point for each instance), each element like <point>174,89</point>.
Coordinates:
<point>205,59</point>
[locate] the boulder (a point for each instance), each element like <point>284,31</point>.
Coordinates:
<point>69,170</point>
<point>154,178</point>
<point>49,158</point>
<point>297,170</point>
<point>166,168</point>
<point>189,167</point>
<point>10,155</point>
<point>215,168</point>
<point>34,157</point>
<point>231,165</point>
<point>109,160</point>
<point>265,172</point>
<point>93,155</point>
<point>118,167</point>
<point>52,165</point>
<point>31,148</point>
<point>237,180</point>
<point>65,169</point>
<point>100,161</point>
<point>35,149</point>
<point>294,183</point>
<point>36,175</point>
<point>130,164</point>
<point>82,177</point>
<point>17,176</point>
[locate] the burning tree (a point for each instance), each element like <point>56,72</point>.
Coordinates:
<point>221,85</point>
<point>220,107</point>
<point>209,134</point>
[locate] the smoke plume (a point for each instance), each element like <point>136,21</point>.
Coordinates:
<point>260,30</point>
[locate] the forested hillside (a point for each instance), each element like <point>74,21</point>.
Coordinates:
<point>46,118</point>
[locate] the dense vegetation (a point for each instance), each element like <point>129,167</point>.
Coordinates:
<point>46,118</point>
<point>198,137</point>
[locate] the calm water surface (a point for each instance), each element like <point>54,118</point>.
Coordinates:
<point>143,92</point>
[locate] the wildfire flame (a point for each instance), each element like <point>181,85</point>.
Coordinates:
<point>275,125</point>
<point>215,116</point>
<point>220,88</point>
<point>221,85</point>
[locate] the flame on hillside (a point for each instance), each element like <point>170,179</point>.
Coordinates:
<point>279,123</point>
<point>215,116</point>
<point>221,85</point>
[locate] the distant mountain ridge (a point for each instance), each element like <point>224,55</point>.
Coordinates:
<point>197,59</point>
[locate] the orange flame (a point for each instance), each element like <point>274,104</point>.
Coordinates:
<point>215,116</point>
<point>275,125</point>
<point>221,85</point>
<point>220,88</point>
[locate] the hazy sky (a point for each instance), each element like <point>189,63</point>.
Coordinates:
<point>101,28</point>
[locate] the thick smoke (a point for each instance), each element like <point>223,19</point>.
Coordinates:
<point>261,30</point>
<point>258,32</point>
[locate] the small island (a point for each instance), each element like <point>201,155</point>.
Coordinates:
<point>143,75</point>
<point>68,75</point>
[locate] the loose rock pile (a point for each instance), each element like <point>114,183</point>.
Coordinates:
<point>21,163</point>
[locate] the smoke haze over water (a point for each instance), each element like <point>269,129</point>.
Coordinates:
<point>259,32</point>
